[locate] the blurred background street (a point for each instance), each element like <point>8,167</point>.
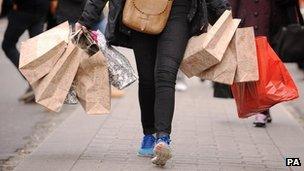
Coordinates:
<point>32,138</point>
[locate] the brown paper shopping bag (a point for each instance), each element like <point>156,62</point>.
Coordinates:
<point>239,63</point>
<point>224,72</point>
<point>208,49</point>
<point>51,90</point>
<point>39,54</point>
<point>247,67</point>
<point>1,1</point>
<point>92,84</point>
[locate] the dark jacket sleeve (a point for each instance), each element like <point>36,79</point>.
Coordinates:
<point>216,8</point>
<point>79,1</point>
<point>286,2</point>
<point>91,13</point>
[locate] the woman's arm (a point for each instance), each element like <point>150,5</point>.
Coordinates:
<point>91,13</point>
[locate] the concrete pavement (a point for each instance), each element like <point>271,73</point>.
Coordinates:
<point>207,135</point>
<point>297,106</point>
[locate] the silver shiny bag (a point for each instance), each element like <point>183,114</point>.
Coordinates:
<point>121,73</point>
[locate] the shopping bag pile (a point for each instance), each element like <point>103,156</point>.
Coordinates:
<point>207,50</point>
<point>56,59</point>
<point>233,56</point>
<point>220,56</point>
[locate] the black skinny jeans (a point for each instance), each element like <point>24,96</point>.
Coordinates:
<point>18,23</point>
<point>158,59</point>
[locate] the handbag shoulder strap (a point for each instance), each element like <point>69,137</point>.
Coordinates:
<point>152,12</point>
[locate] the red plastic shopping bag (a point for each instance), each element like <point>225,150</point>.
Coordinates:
<point>275,84</point>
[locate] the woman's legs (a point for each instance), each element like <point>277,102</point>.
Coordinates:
<point>171,46</point>
<point>18,22</point>
<point>144,47</point>
<point>158,59</point>
<point>170,51</point>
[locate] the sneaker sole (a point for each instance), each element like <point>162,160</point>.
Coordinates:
<point>260,125</point>
<point>163,154</point>
<point>147,156</point>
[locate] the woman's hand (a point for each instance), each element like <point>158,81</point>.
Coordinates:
<point>15,7</point>
<point>53,6</point>
<point>79,26</point>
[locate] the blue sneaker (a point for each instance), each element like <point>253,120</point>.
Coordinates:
<point>147,146</point>
<point>162,151</point>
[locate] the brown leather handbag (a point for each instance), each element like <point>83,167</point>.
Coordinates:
<point>147,16</point>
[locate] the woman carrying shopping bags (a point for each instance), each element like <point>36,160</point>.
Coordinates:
<point>267,17</point>
<point>158,58</point>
